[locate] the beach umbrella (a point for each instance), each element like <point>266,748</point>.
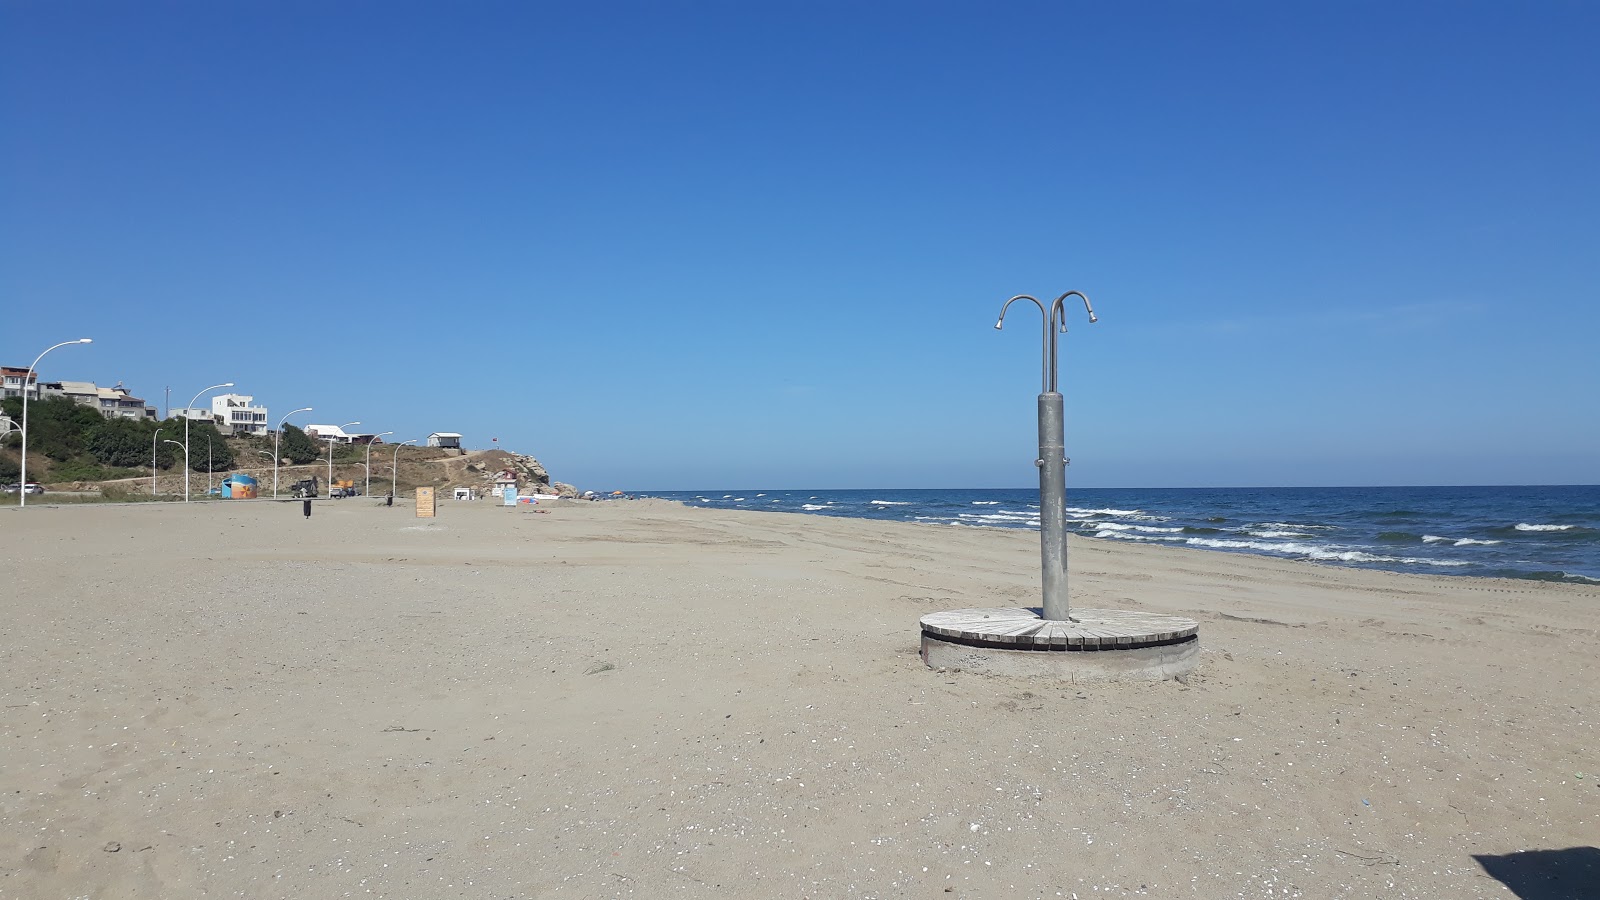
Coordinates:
<point>615,493</point>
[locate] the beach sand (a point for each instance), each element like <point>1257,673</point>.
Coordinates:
<point>638,699</point>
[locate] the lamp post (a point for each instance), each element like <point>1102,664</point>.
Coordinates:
<point>330,455</point>
<point>22,497</point>
<point>185,450</point>
<point>209,465</point>
<point>367,492</point>
<point>153,461</point>
<point>186,410</point>
<point>394,467</point>
<point>275,456</point>
<point>1052,460</point>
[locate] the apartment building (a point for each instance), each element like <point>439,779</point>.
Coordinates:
<point>12,379</point>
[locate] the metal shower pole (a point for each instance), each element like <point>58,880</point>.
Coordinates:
<point>1052,460</point>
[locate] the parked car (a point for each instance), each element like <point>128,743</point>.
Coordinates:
<point>33,487</point>
<point>10,488</point>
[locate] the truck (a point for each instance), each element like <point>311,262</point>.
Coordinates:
<point>343,487</point>
<point>305,487</point>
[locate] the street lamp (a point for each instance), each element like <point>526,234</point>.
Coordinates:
<point>153,461</point>
<point>22,498</point>
<point>1052,461</point>
<point>186,410</point>
<point>394,467</point>
<point>275,457</point>
<point>209,465</point>
<point>185,459</point>
<point>368,491</point>
<point>330,455</point>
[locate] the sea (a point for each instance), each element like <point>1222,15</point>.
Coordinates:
<point>1544,533</point>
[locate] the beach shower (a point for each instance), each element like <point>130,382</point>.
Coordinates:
<point>1052,460</point>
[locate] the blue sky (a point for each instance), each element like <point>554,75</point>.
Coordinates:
<point>717,245</point>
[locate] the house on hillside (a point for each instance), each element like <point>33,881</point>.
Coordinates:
<point>239,414</point>
<point>118,403</point>
<point>329,433</point>
<point>448,440</point>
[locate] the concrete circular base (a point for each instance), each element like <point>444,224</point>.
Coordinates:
<point>1098,645</point>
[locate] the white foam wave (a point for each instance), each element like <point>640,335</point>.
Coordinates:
<point>891,503</point>
<point>986,503</point>
<point>1117,526</point>
<point>1125,536</point>
<point>1277,534</point>
<point>1293,526</point>
<point>1524,526</point>
<point>1456,542</point>
<point>1000,517</point>
<point>1102,512</point>
<point>1580,577</point>
<point>814,506</point>
<point>1319,552</point>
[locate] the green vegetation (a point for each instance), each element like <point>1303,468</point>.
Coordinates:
<point>71,442</point>
<point>298,446</point>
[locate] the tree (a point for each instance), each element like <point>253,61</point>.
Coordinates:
<point>220,455</point>
<point>298,446</point>
<point>58,427</point>
<point>119,442</point>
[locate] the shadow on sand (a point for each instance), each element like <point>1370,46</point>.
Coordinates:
<point>1570,874</point>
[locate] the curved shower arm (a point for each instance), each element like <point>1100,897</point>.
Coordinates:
<point>1047,346</point>
<point>1058,324</point>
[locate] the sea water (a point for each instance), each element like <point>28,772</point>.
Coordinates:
<point>1549,533</point>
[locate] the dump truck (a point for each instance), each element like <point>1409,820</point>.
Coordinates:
<point>344,487</point>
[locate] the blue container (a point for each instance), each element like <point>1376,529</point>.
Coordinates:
<point>239,487</point>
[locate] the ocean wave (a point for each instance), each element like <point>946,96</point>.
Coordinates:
<point>814,506</point>
<point>1281,534</point>
<point>1117,526</point>
<point>891,502</point>
<point>1125,536</point>
<point>1556,575</point>
<point>1319,552</point>
<point>1294,526</point>
<point>1077,511</point>
<point>1200,529</point>
<point>1524,526</point>
<point>1000,517</point>
<point>986,503</point>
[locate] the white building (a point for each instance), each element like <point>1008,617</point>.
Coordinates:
<point>329,432</point>
<point>238,414</point>
<point>447,439</point>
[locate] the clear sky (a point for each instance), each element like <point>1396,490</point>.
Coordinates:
<point>762,245</point>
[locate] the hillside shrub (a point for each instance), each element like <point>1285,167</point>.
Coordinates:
<point>297,446</point>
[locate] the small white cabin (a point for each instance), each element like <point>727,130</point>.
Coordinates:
<point>446,439</point>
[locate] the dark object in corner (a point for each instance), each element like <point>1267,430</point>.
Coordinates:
<point>1570,874</point>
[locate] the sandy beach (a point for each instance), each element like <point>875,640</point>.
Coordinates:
<point>637,699</point>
